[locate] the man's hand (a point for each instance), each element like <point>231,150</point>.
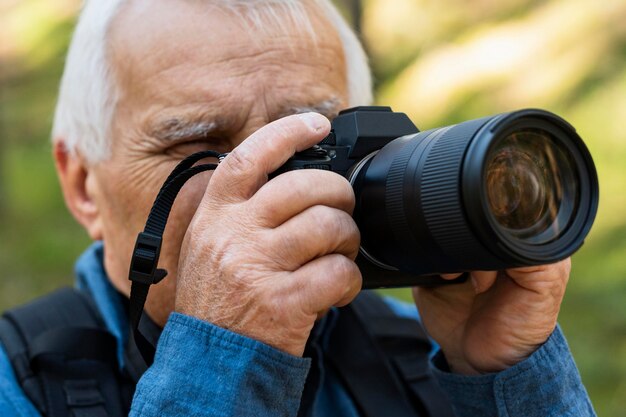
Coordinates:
<point>494,320</point>
<point>264,259</point>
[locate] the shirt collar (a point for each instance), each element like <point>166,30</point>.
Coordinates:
<point>92,278</point>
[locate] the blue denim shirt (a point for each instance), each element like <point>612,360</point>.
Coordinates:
<point>204,370</point>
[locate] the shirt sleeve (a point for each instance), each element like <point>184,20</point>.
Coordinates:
<point>546,384</point>
<point>203,370</point>
<point>13,401</point>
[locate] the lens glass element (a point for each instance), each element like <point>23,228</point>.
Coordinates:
<point>531,185</point>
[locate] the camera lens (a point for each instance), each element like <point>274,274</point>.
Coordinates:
<point>515,189</point>
<point>530,185</point>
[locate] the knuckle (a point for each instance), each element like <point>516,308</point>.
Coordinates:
<point>327,219</point>
<point>347,275</point>
<point>345,268</point>
<point>279,132</point>
<point>353,229</point>
<point>349,234</point>
<point>266,214</point>
<point>217,256</point>
<point>336,227</point>
<point>240,161</point>
<point>346,227</point>
<point>354,241</point>
<point>285,248</point>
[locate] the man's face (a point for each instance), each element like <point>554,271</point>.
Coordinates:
<point>193,77</point>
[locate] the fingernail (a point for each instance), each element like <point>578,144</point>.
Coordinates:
<point>314,120</point>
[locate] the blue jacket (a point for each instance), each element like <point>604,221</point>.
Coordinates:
<point>204,370</point>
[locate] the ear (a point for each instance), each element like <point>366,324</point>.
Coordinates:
<point>79,188</point>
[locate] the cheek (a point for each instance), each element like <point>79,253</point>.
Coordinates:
<point>126,201</point>
<point>183,211</point>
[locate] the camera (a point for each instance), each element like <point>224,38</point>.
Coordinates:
<point>509,190</point>
<point>514,189</point>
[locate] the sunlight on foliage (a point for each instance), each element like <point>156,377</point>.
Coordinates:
<point>530,59</point>
<point>27,29</point>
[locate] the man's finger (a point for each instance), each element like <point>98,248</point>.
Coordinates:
<point>550,278</point>
<point>295,191</point>
<point>246,168</point>
<point>332,280</point>
<point>483,280</point>
<point>317,231</point>
<point>450,276</point>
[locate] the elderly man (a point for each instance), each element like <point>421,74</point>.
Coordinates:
<point>257,267</point>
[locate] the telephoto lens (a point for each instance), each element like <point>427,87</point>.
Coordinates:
<point>515,189</point>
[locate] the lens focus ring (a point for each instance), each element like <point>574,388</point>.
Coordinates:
<point>441,199</point>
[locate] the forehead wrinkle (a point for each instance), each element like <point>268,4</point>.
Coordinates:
<point>272,58</point>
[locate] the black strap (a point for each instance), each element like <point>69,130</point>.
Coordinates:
<point>83,397</point>
<point>134,363</point>
<point>383,360</point>
<point>143,268</point>
<point>14,345</point>
<point>75,343</point>
<point>63,358</point>
<point>21,325</point>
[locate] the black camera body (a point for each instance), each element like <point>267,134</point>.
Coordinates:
<point>509,190</point>
<point>356,133</point>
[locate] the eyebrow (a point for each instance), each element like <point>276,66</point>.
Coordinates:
<point>176,128</point>
<point>328,108</point>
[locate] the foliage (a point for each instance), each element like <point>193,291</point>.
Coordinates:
<point>439,61</point>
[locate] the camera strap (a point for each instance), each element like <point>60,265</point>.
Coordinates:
<point>143,267</point>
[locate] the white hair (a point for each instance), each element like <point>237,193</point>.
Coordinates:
<point>88,94</point>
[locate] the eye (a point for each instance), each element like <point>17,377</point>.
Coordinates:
<point>187,147</point>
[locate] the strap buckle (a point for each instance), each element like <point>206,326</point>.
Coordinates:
<point>143,265</point>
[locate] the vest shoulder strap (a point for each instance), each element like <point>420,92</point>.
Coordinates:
<point>384,361</point>
<point>63,357</point>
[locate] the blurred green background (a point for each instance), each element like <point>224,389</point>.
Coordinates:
<point>440,61</point>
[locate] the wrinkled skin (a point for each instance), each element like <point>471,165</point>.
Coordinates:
<point>264,259</point>
<point>495,319</point>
